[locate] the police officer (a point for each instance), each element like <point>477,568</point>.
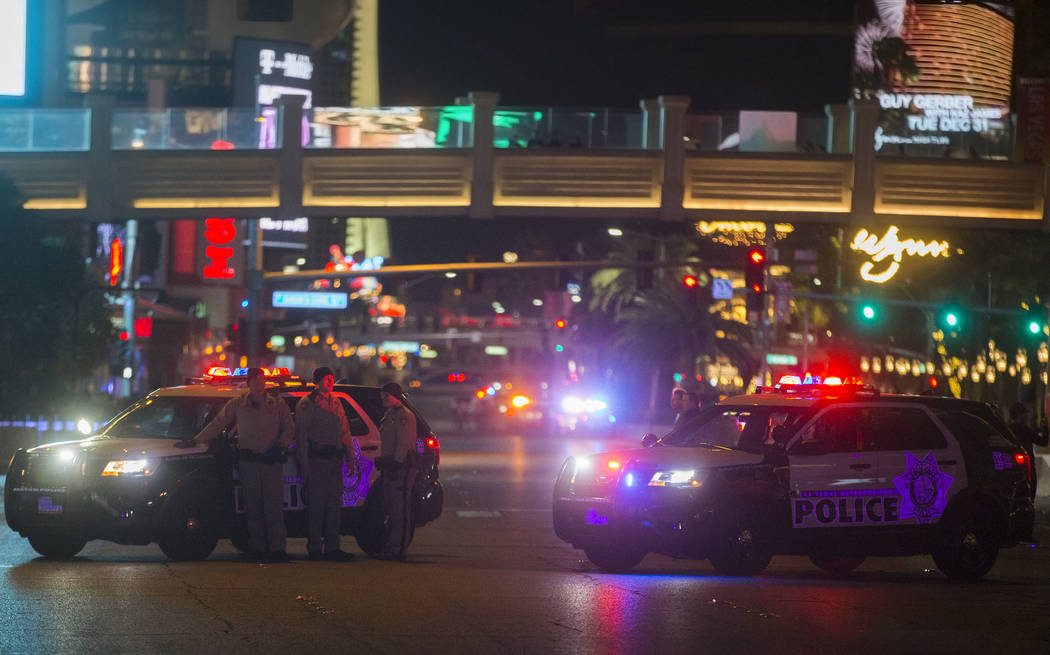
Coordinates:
<point>322,438</point>
<point>398,433</point>
<point>686,404</point>
<point>265,430</point>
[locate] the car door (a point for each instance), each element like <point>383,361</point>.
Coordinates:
<point>833,478</point>
<point>917,461</point>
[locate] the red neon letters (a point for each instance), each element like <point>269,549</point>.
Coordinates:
<point>219,232</point>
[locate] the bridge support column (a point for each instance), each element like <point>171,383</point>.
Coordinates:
<point>481,187</point>
<point>99,182</point>
<point>672,120</point>
<point>865,116</point>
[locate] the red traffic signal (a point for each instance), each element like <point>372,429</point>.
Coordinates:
<point>690,281</point>
<point>757,256</point>
<point>560,323</point>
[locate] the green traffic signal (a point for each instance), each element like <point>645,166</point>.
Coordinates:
<point>1034,327</point>
<point>951,319</point>
<point>868,312</point>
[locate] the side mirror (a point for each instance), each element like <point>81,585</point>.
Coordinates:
<point>649,440</point>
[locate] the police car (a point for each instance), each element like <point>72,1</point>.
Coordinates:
<point>838,472</point>
<point>131,485</point>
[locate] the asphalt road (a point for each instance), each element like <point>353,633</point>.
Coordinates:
<point>490,576</point>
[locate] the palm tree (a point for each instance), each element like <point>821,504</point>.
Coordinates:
<point>667,327</point>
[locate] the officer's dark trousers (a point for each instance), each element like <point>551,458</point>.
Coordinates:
<point>397,495</point>
<point>325,504</point>
<point>263,486</point>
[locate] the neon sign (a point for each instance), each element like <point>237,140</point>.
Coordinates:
<point>890,246</point>
<point>220,234</point>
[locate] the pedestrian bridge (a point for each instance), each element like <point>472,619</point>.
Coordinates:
<point>482,161</point>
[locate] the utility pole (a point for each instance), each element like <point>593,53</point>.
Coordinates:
<point>128,373</point>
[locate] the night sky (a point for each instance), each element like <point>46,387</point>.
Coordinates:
<point>597,53</point>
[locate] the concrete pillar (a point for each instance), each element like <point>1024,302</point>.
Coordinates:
<point>290,127</point>
<point>839,129</point>
<point>481,189</point>
<point>650,123</point>
<point>865,116</point>
<point>100,178</point>
<point>672,119</point>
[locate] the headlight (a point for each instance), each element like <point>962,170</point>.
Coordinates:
<point>676,478</point>
<point>128,467</point>
<point>84,426</point>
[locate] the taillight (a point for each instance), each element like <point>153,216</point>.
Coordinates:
<point>1024,460</point>
<point>433,443</point>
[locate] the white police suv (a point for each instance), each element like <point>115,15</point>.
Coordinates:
<point>838,472</point>
<point>131,485</point>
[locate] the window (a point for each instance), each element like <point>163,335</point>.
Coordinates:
<point>836,431</point>
<point>358,426</point>
<point>166,417</point>
<point>900,428</point>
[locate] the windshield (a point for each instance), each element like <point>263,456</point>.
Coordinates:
<point>165,417</point>
<point>740,428</point>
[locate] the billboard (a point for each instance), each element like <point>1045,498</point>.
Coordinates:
<point>941,74</point>
<point>263,71</point>
<point>14,33</point>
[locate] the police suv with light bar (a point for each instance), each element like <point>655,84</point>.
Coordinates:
<point>131,485</point>
<point>838,472</point>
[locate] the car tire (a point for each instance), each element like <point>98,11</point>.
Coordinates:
<point>967,545</point>
<point>371,530</point>
<point>189,530</point>
<point>614,557</point>
<point>837,564</point>
<point>55,546</point>
<point>742,542</point>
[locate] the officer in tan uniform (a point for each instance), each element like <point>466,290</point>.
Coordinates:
<point>398,433</point>
<point>265,430</point>
<point>322,438</point>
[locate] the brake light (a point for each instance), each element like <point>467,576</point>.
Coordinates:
<point>433,443</point>
<point>1021,458</point>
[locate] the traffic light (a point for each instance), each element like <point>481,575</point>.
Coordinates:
<point>951,318</point>
<point>560,323</point>
<point>755,279</point>
<point>755,270</point>
<point>869,312</point>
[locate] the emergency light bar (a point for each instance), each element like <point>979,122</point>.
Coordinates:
<point>224,372</point>
<point>790,383</point>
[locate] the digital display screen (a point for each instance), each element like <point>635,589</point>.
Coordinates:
<point>13,33</point>
<point>941,74</point>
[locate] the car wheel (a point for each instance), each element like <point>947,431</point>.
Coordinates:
<point>742,543</point>
<point>614,557</point>
<point>188,529</point>
<point>837,564</point>
<point>968,546</point>
<point>371,530</point>
<point>54,546</point>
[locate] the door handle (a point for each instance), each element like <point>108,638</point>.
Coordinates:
<point>860,466</point>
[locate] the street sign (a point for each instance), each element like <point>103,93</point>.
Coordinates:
<point>310,299</point>
<point>721,288</point>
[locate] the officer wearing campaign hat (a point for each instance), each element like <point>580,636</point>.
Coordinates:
<point>322,437</point>
<point>265,430</point>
